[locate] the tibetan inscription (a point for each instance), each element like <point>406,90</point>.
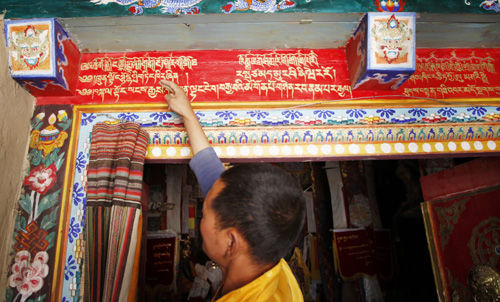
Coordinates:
<point>215,75</point>
<point>311,75</point>
<point>455,73</point>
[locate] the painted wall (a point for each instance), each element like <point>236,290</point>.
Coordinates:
<point>17,107</point>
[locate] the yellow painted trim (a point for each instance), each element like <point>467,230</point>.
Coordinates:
<point>431,244</point>
<point>354,103</point>
<point>342,103</point>
<point>65,211</point>
<point>119,107</point>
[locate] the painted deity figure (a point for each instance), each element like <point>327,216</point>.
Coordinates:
<point>391,39</point>
<point>29,48</point>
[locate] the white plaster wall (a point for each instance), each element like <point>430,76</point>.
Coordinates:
<point>16,109</point>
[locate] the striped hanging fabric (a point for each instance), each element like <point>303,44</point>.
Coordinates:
<point>113,220</point>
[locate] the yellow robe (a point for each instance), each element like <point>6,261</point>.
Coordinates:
<point>277,285</point>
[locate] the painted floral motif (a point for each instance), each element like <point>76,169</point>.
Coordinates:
<point>81,162</point>
<point>324,113</point>
<point>87,118</point>
<point>447,111</point>
<point>47,160</point>
<point>70,267</point>
<point>258,114</point>
<point>448,218</point>
<point>292,114</point>
<point>34,204</point>
<point>35,232</point>
<point>41,178</point>
<point>386,112</point>
<point>356,113</point>
<point>62,115</point>
<point>479,111</point>
<point>418,112</point>
<point>226,115</point>
<point>74,229</point>
<point>160,116</point>
<point>78,194</point>
<point>38,119</point>
<point>27,277</point>
<point>128,116</point>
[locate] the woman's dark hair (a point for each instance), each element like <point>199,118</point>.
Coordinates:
<point>265,204</point>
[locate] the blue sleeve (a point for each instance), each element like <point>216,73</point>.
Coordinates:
<point>207,167</point>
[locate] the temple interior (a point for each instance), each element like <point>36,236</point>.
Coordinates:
<point>394,191</point>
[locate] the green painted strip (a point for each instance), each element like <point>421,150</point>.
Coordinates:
<point>25,9</point>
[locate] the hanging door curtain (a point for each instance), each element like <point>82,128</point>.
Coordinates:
<point>113,219</point>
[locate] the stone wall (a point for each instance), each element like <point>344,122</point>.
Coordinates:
<point>16,109</point>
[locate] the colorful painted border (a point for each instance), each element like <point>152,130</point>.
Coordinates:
<point>322,133</point>
<point>476,130</point>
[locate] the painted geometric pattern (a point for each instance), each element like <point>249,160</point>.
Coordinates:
<point>331,141</point>
<point>287,133</point>
<point>327,134</point>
